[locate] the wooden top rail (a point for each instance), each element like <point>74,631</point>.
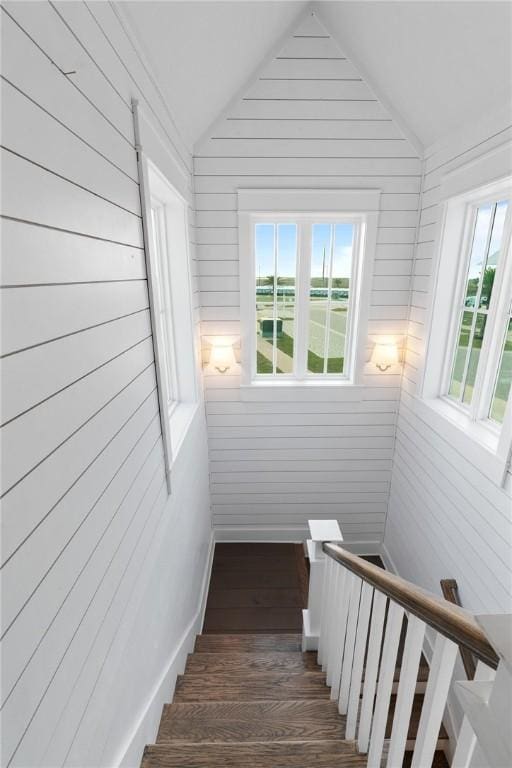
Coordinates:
<point>450,620</point>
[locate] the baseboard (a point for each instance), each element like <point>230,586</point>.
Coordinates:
<point>146,727</point>
<point>299,534</point>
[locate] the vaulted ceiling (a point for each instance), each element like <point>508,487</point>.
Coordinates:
<point>437,64</point>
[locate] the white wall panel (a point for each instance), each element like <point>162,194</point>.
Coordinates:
<point>308,121</point>
<point>445,519</point>
<point>90,539</point>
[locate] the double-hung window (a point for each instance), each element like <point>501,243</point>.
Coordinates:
<point>302,275</point>
<point>481,361</point>
<point>302,297</point>
<point>468,366</point>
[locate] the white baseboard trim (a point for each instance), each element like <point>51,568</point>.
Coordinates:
<point>146,726</point>
<point>290,534</point>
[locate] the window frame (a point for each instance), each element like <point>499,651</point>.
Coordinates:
<point>305,207</point>
<point>481,440</point>
<point>496,314</point>
<point>175,367</point>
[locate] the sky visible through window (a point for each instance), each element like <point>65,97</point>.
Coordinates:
<point>287,237</point>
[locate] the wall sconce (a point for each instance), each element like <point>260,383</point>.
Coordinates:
<point>385,355</point>
<point>222,357</point>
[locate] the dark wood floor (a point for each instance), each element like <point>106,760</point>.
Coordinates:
<point>258,588</point>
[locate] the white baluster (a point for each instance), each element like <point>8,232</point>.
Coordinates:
<point>466,740</point>
<point>337,588</point>
<point>341,631</point>
<point>350,639</point>
<point>385,684</point>
<point>357,666</point>
<point>323,613</point>
<point>329,572</point>
<point>406,690</point>
<point>439,679</point>
<point>372,668</point>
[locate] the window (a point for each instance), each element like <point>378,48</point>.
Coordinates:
<point>165,218</point>
<point>163,306</point>
<point>321,304</point>
<point>468,366</point>
<point>476,384</point>
<point>302,275</point>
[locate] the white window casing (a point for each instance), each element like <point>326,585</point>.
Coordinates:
<point>166,238</point>
<point>468,427</point>
<point>306,207</point>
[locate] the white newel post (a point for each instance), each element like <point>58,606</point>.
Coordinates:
<point>320,531</point>
<point>486,736</point>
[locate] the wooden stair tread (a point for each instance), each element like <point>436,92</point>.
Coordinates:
<point>251,687</point>
<point>251,721</point>
<point>229,643</point>
<point>292,754</point>
<point>240,663</point>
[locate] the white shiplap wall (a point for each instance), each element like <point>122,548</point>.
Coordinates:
<point>92,549</point>
<point>446,519</point>
<point>308,120</point>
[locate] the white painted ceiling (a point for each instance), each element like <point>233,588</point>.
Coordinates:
<point>438,64</point>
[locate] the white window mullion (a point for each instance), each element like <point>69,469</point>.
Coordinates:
<point>302,297</point>
<point>352,290</point>
<point>329,295</point>
<point>274,308</point>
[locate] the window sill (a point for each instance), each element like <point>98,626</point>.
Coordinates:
<point>476,442</point>
<point>294,389</point>
<point>180,419</point>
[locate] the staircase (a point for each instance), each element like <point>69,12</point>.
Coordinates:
<point>250,695</point>
<point>258,700</point>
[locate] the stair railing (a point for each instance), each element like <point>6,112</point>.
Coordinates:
<point>355,621</point>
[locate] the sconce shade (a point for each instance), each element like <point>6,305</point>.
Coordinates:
<point>222,357</point>
<point>385,355</point>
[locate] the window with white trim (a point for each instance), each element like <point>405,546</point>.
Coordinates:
<point>479,379</point>
<point>467,375</point>
<point>170,299</point>
<point>302,275</point>
<point>302,299</point>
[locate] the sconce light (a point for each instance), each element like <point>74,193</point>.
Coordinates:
<point>385,355</point>
<point>222,357</point>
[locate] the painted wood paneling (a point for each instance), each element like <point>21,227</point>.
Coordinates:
<point>89,534</point>
<point>308,120</point>
<point>445,519</point>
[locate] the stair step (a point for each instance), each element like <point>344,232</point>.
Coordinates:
<point>252,686</point>
<point>247,643</point>
<point>240,663</point>
<point>292,754</point>
<point>251,721</point>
